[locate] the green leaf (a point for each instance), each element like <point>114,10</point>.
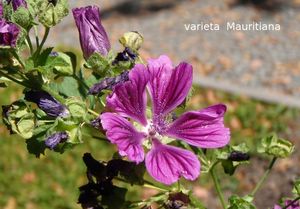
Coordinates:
<point>277,147</point>
<point>68,87</point>
<point>77,108</point>
<point>296,188</point>
<point>228,167</point>
<point>62,64</point>
<point>19,119</point>
<point>42,58</point>
<point>35,146</point>
<point>236,202</point>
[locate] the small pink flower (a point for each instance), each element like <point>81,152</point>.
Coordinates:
<point>167,87</point>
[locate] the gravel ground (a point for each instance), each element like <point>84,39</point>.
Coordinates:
<point>261,64</point>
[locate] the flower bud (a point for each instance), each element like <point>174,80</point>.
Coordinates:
<point>132,40</point>
<point>56,138</point>
<point>52,12</point>
<point>93,37</point>
<point>17,3</point>
<point>109,83</point>
<point>47,103</point>
<point>9,33</point>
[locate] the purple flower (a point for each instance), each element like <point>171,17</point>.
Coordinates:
<point>168,87</point>
<point>47,103</point>
<point>17,3</point>
<point>292,205</point>
<point>93,37</point>
<point>8,33</point>
<point>108,83</point>
<point>56,138</point>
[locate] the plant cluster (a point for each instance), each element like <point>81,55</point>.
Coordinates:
<point>118,97</point>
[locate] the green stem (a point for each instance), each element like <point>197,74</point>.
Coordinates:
<point>81,82</point>
<point>18,58</point>
<point>218,187</point>
<point>14,79</point>
<point>93,112</point>
<point>294,201</point>
<point>36,36</point>
<point>266,174</point>
<point>43,41</point>
<point>152,186</point>
<point>29,44</point>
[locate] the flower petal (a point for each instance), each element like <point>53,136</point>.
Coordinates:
<point>130,98</point>
<point>168,88</point>
<point>121,132</point>
<point>204,128</point>
<point>167,164</point>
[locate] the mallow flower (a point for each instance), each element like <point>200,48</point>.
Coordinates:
<point>47,103</point>
<point>130,129</point>
<point>9,33</point>
<point>93,37</point>
<point>290,203</point>
<point>17,3</point>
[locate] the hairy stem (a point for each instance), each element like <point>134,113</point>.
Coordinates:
<point>15,54</point>
<point>218,187</point>
<point>29,44</point>
<point>264,177</point>
<point>14,79</point>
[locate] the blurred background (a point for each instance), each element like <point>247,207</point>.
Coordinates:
<point>255,73</point>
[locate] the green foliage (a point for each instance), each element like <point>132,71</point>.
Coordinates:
<point>296,188</point>
<point>277,147</point>
<point>236,202</point>
<point>19,119</point>
<point>62,64</point>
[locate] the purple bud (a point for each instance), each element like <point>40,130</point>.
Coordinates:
<point>96,123</point>
<point>103,84</point>
<point>56,138</point>
<point>93,37</point>
<point>238,156</point>
<point>47,103</point>
<point>17,3</point>
<point>126,55</point>
<point>109,83</point>
<point>8,33</point>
